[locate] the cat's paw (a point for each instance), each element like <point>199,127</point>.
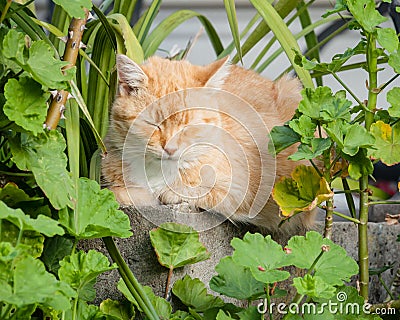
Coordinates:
<point>183,207</point>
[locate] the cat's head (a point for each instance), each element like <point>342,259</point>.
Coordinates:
<point>152,99</point>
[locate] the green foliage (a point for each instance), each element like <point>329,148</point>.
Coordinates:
<point>117,309</point>
<point>16,291</point>
<point>162,307</point>
<point>177,245</point>
<point>333,267</point>
<point>193,293</point>
<point>75,7</point>
<point>262,256</point>
<point>26,104</point>
<point>80,270</point>
<point>96,214</point>
<point>44,156</point>
<point>313,286</point>
<point>236,281</point>
<point>38,60</point>
<point>42,224</point>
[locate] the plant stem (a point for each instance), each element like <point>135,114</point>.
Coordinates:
<point>347,89</point>
<point>269,303</point>
<point>171,269</point>
<point>74,309</point>
<point>328,219</point>
<point>384,202</point>
<point>298,297</point>
<point>385,286</point>
<point>72,46</point>
<point>131,282</point>
<point>355,220</point>
<point>4,13</point>
<point>395,304</point>
<point>349,197</point>
<point>363,260</point>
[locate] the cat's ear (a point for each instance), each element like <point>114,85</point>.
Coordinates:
<point>216,73</point>
<point>131,77</point>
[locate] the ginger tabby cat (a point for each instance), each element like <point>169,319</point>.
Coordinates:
<point>170,144</point>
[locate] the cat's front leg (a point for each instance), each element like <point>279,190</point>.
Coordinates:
<point>137,196</point>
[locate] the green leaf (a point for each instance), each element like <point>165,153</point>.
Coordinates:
<point>338,60</point>
<point>365,13</point>
<point>223,316</point>
<point>55,249</point>
<point>387,38</point>
<point>313,100</point>
<point>15,198</point>
<point>394,60</point>
<point>48,291</point>
<point>250,313</point>
<point>305,127</point>
<point>282,137</point>
<point>42,224</point>
<point>235,281</point>
<point>318,146</point>
<point>357,137</point>
<point>26,104</point>
<point>177,245</point>
<point>284,36</point>
<point>117,309</point>
<point>96,214</point>
<point>387,142</point>
<point>321,104</point>
<point>393,97</point>
<point>304,191</point>
<point>336,131</point>
<point>263,256</point>
<point>359,165</point>
<point>230,10</point>
<point>75,7</point>
<point>337,108</point>
<point>28,243</point>
<point>181,315</point>
<point>133,48</point>
<point>45,69</point>
<point>193,293</point>
<point>44,156</point>
<point>313,287</point>
<point>80,271</point>
<point>13,46</point>
<point>162,306</point>
<point>333,267</point>
<point>340,5</point>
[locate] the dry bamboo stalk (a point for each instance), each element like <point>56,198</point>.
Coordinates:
<point>57,106</point>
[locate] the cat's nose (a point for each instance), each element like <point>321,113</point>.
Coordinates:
<point>170,150</point>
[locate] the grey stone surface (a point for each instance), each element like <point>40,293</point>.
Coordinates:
<point>377,213</point>
<point>138,253</point>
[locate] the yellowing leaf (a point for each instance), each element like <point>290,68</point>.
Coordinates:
<point>387,142</point>
<point>302,192</point>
